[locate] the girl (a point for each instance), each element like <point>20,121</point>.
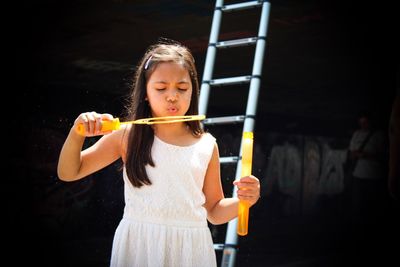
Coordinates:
<point>171,171</point>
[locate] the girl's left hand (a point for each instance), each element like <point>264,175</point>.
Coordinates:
<point>248,189</point>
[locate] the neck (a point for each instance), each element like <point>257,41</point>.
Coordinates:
<point>170,129</point>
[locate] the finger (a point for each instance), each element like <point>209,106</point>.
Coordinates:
<point>248,186</point>
<point>97,123</point>
<point>249,189</point>
<point>91,121</point>
<point>251,199</point>
<point>247,193</point>
<point>86,123</point>
<point>249,179</point>
<point>107,117</point>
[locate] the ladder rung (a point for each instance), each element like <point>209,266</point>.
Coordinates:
<point>231,80</point>
<point>237,42</point>
<point>219,246</point>
<point>241,6</point>
<point>232,159</point>
<point>224,120</point>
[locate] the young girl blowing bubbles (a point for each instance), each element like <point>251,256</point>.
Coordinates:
<point>171,171</point>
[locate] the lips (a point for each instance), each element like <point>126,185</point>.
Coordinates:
<point>172,109</point>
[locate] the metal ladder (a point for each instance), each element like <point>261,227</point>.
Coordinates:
<point>230,246</point>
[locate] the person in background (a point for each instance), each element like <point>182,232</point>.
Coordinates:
<point>368,152</point>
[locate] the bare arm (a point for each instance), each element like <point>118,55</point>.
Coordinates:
<point>74,163</point>
<point>220,209</point>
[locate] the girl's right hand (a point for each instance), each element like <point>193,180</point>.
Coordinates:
<point>91,122</point>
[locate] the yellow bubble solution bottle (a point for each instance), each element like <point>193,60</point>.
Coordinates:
<point>244,206</point>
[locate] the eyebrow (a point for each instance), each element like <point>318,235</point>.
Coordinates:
<point>180,82</point>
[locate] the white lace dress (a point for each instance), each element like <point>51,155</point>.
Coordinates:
<point>165,223</point>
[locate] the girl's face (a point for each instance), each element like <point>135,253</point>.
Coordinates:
<point>169,90</point>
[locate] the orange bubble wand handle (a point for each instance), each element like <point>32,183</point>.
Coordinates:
<point>244,206</point>
<point>115,124</point>
<point>105,126</point>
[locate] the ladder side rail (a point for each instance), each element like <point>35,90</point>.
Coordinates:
<point>210,58</point>
<point>257,69</point>
<point>231,240</point>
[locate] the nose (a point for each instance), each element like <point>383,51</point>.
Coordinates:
<point>172,97</point>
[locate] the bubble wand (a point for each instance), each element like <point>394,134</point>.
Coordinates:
<point>244,205</point>
<point>115,124</point>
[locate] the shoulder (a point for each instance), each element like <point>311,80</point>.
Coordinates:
<point>208,140</point>
<point>208,146</point>
<point>208,136</point>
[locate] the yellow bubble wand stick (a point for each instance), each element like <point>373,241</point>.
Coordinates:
<point>115,124</point>
<point>244,206</point>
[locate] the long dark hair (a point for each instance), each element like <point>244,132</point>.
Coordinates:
<point>141,137</point>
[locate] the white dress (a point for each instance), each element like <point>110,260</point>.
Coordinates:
<point>165,223</point>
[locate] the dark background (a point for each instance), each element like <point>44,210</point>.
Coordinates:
<point>324,62</point>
